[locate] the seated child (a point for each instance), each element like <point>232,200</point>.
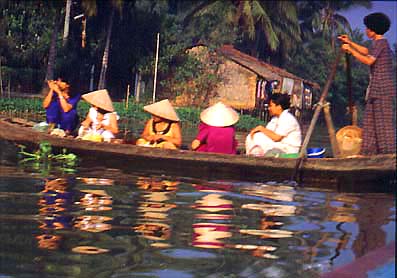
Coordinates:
<point>101,118</point>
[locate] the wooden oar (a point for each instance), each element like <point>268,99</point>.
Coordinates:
<point>352,108</point>
<point>319,106</point>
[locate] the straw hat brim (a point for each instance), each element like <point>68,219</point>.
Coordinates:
<point>219,115</point>
<point>100,99</point>
<point>162,109</point>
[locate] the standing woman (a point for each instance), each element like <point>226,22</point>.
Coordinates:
<point>378,123</point>
<point>61,106</point>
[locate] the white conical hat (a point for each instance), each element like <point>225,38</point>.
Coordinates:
<point>219,115</point>
<point>100,99</point>
<point>162,109</point>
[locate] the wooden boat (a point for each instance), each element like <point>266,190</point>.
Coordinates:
<point>348,174</point>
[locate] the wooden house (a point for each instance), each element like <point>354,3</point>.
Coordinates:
<point>244,81</point>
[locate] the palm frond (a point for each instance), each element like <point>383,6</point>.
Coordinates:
<point>344,22</point>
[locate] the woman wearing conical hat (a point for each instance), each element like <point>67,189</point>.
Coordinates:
<point>163,129</point>
<point>216,130</point>
<point>101,118</point>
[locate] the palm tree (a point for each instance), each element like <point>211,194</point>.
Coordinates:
<point>270,23</point>
<point>67,21</point>
<point>90,8</point>
<point>105,58</point>
<point>53,45</point>
<point>53,50</point>
<point>323,17</point>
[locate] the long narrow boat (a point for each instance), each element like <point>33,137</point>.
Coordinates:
<point>351,174</point>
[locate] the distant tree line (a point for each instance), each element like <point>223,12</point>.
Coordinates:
<point>109,44</point>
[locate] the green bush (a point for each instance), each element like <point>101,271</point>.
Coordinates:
<point>188,115</point>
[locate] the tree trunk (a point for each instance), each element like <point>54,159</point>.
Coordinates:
<point>53,52</point>
<point>105,58</point>
<point>67,21</point>
<point>1,81</point>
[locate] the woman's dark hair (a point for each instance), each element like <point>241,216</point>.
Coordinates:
<point>102,111</point>
<point>281,99</point>
<point>377,22</point>
<point>71,93</point>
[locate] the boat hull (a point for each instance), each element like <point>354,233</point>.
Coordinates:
<point>378,170</point>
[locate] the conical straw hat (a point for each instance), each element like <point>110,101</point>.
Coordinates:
<point>162,109</point>
<point>349,140</point>
<point>219,115</point>
<point>100,99</point>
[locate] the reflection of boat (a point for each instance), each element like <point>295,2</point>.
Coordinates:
<point>353,173</point>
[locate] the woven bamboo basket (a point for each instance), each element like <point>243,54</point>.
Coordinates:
<point>349,140</point>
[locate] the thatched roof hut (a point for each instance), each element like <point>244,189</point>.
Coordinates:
<point>240,76</point>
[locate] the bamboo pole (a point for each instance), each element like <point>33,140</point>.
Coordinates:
<point>138,88</point>
<point>9,87</point>
<point>155,67</point>
<point>331,130</point>
<point>352,107</point>
<point>302,153</point>
<point>127,96</point>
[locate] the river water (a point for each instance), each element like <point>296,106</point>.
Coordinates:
<point>105,222</point>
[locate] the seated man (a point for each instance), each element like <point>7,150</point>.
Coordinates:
<point>282,134</point>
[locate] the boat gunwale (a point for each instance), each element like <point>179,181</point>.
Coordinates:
<point>341,165</point>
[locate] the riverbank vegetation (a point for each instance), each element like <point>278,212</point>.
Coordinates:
<point>32,108</point>
<point>112,44</point>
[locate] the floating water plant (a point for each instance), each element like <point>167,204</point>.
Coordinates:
<point>44,159</point>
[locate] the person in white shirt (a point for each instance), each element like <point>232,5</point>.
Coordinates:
<point>101,118</point>
<point>281,135</point>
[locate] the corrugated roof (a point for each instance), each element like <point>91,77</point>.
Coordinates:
<point>261,68</point>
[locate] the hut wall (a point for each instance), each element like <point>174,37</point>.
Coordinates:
<point>238,86</point>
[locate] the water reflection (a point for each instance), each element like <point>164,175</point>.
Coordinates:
<point>373,212</point>
<point>92,223</point>
<point>141,226</point>
<point>153,210</point>
<point>95,200</point>
<point>54,206</point>
<point>272,215</point>
<point>89,250</point>
<point>210,234</point>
